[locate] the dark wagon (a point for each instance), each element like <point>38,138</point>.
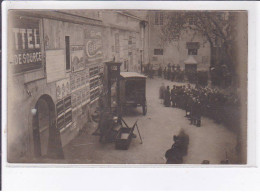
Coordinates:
<point>133,90</point>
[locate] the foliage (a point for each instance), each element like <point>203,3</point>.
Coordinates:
<point>216,26</point>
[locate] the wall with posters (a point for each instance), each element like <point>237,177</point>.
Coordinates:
<point>94,59</point>
<point>26,45</point>
<point>49,58</point>
<point>26,83</point>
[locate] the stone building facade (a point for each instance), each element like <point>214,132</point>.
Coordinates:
<point>55,62</point>
<point>177,52</point>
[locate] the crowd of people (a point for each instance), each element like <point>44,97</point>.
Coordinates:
<point>171,72</point>
<point>202,101</point>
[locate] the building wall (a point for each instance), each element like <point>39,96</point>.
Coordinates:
<point>176,52</point>
<point>241,61</point>
<point>125,39</point>
<point>74,91</point>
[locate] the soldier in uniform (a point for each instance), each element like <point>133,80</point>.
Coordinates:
<point>169,72</point>
<point>198,113</point>
<point>165,73</point>
<point>188,105</point>
<point>162,92</point>
<point>193,111</point>
<point>173,99</point>
<point>167,97</point>
<point>160,71</point>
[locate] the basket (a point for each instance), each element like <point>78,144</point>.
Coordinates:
<point>123,138</point>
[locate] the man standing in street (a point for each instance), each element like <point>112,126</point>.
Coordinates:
<point>161,93</point>
<point>167,97</point>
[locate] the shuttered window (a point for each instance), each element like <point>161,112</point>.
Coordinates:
<point>67,45</point>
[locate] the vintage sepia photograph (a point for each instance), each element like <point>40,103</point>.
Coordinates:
<point>127,86</point>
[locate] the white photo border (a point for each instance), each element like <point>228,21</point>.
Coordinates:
<point>139,177</point>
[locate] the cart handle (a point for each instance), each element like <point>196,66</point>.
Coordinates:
<point>124,122</point>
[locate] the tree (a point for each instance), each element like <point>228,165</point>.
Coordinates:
<point>217,27</point>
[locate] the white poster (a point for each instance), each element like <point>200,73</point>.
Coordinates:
<point>55,65</point>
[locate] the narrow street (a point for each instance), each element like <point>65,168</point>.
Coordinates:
<point>210,142</point>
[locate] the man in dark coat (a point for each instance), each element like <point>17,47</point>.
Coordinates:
<point>193,111</point>
<point>169,73</point>
<point>182,142</point>
<point>167,97</point>
<point>105,126</point>
<point>165,73</point>
<point>160,71</point>
<point>162,92</point>
<point>173,156</point>
<point>173,96</point>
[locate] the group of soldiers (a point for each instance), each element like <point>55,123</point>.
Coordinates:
<point>200,101</point>
<point>171,72</point>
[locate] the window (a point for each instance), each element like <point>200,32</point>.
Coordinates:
<point>117,43</point>
<point>161,18</point>
<point>192,20</point>
<point>192,47</point>
<point>158,20</point>
<point>130,41</point>
<point>67,45</point>
<point>192,51</point>
<point>158,51</point>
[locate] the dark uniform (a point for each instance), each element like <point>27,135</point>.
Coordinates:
<point>198,114</point>
<point>167,97</point>
<point>173,96</point>
<point>174,156</point>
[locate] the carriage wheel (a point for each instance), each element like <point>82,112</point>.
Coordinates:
<point>145,108</point>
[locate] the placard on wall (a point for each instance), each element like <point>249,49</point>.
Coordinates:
<point>55,65</point>
<point>26,44</point>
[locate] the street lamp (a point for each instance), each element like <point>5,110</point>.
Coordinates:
<point>33,111</point>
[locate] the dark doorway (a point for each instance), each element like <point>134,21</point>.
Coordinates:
<point>190,68</point>
<point>46,136</point>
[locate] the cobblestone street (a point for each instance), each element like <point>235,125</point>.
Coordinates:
<point>210,142</point>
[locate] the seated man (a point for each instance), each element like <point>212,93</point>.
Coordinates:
<point>105,126</point>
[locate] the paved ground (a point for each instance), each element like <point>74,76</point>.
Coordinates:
<point>208,142</point>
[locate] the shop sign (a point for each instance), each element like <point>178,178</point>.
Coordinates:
<point>26,44</point>
<point>77,58</point>
<point>93,41</point>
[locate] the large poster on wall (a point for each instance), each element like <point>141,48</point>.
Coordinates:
<point>62,88</point>
<point>55,65</point>
<point>93,44</point>
<point>26,44</point>
<point>77,58</point>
